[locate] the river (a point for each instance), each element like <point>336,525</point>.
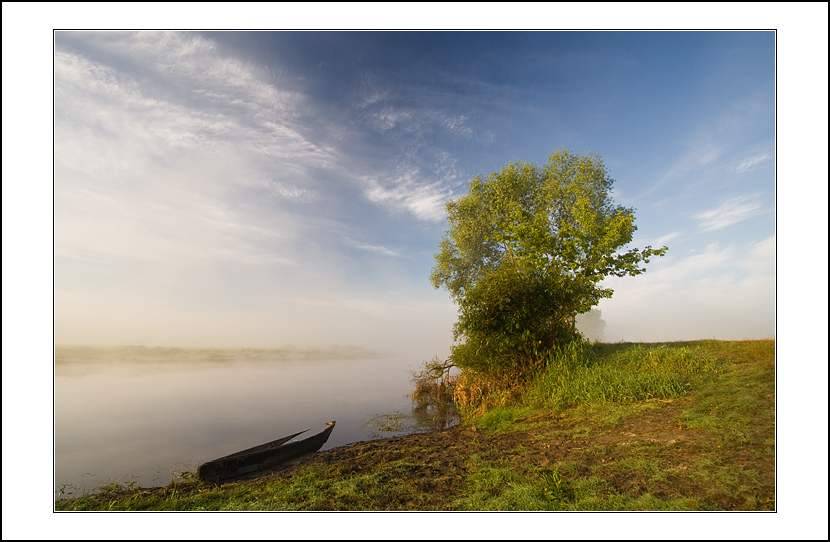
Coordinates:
<point>144,421</point>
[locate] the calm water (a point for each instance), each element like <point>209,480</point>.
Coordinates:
<point>142,422</point>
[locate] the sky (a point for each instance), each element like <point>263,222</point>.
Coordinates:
<point>269,188</point>
<point>227,183</point>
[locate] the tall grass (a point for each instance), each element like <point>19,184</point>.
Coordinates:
<point>585,374</point>
<point>576,375</point>
<point>475,393</point>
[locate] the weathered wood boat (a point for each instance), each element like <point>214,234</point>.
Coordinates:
<point>262,457</point>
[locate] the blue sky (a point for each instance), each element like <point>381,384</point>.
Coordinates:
<point>264,188</point>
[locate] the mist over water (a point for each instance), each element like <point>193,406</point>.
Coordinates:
<point>143,420</point>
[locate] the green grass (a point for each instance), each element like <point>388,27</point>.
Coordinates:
<point>580,376</point>
<point>563,445</point>
<point>501,419</point>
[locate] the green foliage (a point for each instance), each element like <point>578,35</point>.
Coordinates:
<point>555,489</point>
<point>507,320</point>
<point>525,252</point>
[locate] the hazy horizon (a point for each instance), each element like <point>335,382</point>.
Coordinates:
<point>254,189</point>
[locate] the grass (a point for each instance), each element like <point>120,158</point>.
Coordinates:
<point>579,376</point>
<point>677,426</point>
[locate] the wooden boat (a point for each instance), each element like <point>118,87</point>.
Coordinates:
<point>263,456</point>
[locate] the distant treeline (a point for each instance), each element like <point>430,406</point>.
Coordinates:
<point>75,354</point>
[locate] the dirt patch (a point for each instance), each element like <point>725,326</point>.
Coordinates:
<point>548,442</point>
<point>438,462</point>
<point>658,425</point>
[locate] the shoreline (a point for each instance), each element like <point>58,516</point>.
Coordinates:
<point>710,449</point>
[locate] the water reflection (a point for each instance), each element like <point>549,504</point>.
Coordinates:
<point>143,422</point>
<point>417,420</point>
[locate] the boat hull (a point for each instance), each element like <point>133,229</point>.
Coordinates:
<point>262,457</point>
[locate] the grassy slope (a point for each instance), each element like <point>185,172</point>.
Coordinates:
<point>685,426</point>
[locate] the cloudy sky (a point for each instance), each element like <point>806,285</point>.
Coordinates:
<point>264,188</point>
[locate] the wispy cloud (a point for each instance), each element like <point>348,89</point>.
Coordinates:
<point>222,107</point>
<point>424,200</point>
<point>177,148</point>
<point>731,212</point>
<point>379,249</point>
<point>701,153</point>
<point>666,238</point>
<point>291,191</point>
<point>369,247</point>
<point>709,152</point>
<point>752,162</point>
<point>457,126</point>
<point>389,118</point>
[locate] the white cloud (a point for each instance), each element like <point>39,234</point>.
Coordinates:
<point>373,91</point>
<point>222,107</point>
<point>752,162</point>
<point>672,276</point>
<point>426,201</point>
<point>291,191</point>
<point>709,149</point>
<point>666,238</point>
<point>723,292</point>
<point>167,162</point>
<point>732,211</point>
<point>389,118</point>
<point>764,250</point>
<point>700,154</point>
<point>457,126</point>
<point>380,249</point>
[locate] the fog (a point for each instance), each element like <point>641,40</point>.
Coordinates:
<point>420,329</point>
<point>144,420</point>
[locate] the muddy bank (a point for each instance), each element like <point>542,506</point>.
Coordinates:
<point>440,460</point>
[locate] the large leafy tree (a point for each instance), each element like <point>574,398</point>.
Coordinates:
<point>525,252</point>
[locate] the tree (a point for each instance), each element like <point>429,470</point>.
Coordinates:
<point>591,325</point>
<point>525,253</point>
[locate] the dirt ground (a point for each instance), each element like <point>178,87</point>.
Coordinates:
<point>439,459</point>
